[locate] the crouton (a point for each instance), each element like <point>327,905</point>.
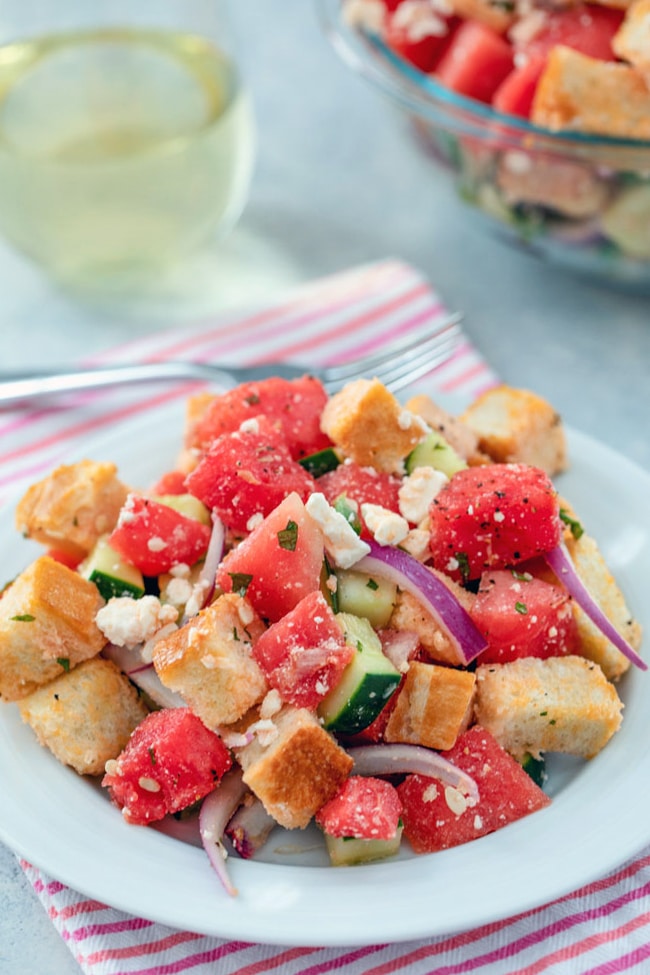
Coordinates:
<point>371,426</point>
<point>584,94</point>
<point>409,614</point>
<point>457,434</point>
<point>72,507</point>
<point>496,14</point>
<point>561,704</point>
<point>85,717</point>
<point>571,188</point>
<point>47,626</point>
<point>631,42</point>
<point>600,582</point>
<point>434,705</point>
<point>295,768</point>
<point>517,426</point>
<point>208,661</point>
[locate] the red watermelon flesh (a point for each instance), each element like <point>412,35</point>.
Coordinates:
<point>436,818</point>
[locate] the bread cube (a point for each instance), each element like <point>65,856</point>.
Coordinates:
<point>208,661</point>
<point>371,426</point>
<point>602,585</point>
<point>72,507</point>
<point>561,704</point>
<point>495,13</point>
<point>517,426</point>
<point>571,188</point>
<point>85,717</point>
<point>457,433</point>
<point>295,767</point>
<point>632,40</point>
<point>584,94</point>
<point>434,705</point>
<point>47,626</point>
<point>410,614</point>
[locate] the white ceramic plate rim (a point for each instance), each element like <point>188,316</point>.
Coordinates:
<point>66,826</point>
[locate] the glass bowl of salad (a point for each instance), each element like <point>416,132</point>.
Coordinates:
<point>539,111</point>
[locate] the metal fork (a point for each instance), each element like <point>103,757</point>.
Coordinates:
<point>397,365</point>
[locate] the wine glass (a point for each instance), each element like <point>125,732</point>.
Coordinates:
<point>126,133</point>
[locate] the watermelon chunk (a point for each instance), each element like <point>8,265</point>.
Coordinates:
<point>364,808</point>
<point>170,762</point>
<point>279,563</point>
<point>493,517</point>
<point>246,474</point>
<point>155,537</point>
<point>304,654</point>
<point>521,616</point>
<point>476,61</point>
<point>362,485</point>
<point>437,818</point>
<point>296,404</point>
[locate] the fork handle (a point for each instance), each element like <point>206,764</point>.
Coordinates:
<point>17,387</point>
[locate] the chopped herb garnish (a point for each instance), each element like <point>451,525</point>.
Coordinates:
<point>64,662</point>
<point>240,582</point>
<point>235,634</point>
<point>463,565</point>
<point>521,608</point>
<point>288,537</point>
<point>522,576</point>
<point>576,528</point>
<point>152,755</point>
<point>24,618</point>
<point>371,584</point>
<point>252,399</point>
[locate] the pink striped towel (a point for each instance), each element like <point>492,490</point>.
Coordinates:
<point>601,929</point>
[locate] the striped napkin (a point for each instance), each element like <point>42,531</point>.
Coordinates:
<point>601,929</point>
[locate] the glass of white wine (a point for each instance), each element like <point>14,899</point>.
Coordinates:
<point>126,135</point>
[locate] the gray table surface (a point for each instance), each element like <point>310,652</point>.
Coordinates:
<point>337,184</point>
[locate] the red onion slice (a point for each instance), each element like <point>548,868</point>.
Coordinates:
<point>561,563</point>
<point>249,828</point>
<point>409,574</point>
<point>411,759</point>
<point>213,557</point>
<point>216,811</point>
<point>143,675</point>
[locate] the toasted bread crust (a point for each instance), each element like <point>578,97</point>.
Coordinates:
<point>47,626</point>
<point>434,706</point>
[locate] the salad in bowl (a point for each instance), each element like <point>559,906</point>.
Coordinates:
<point>370,618</point>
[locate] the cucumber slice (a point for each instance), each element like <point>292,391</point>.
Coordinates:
<point>364,595</point>
<point>349,510</point>
<point>367,682</point>
<point>110,573</point>
<point>321,462</point>
<point>535,768</point>
<point>345,851</point>
<point>434,451</point>
<point>187,505</point>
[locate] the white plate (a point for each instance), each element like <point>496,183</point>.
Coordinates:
<point>66,825</point>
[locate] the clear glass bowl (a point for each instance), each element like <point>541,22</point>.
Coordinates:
<point>579,201</point>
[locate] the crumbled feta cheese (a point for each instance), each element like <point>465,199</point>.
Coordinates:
<point>249,426</point>
<point>271,704</point>
<point>416,544</point>
<point>342,544</point>
<point>386,527</point>
<point>254,521</point>
<point>430,793</point>
<point>455,799</point>
<point>156,544</point>
<point>177,592</point>
<point>417,491</point>
<point>126,513</point>
<point>422,18</point>
<point>127,622</point>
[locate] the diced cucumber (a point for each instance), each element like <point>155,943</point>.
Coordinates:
<point>329,585</point>
<point>349,510</point>
<point>187,505</point>
<point>367,682</point>
<point>345,851</point>
<point>367,596</point>
<point>434,451</point>
<point>110,573</point>
<point>321,462</point>
<point>535,768</point>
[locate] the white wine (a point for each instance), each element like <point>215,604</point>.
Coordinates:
<point>120,149</point>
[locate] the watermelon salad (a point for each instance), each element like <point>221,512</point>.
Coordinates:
<point>575,70</point>
<point>349,613</point>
